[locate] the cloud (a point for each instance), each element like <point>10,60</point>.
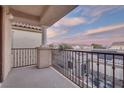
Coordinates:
<point>103,29</point>
<point>104,35</point>
<point>53,32</point>
<point>99,10</point>
<point>94,12</point>
<point>90,14</point>
<point>70,21</point>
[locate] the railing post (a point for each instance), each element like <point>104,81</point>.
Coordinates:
<point>44,57</point>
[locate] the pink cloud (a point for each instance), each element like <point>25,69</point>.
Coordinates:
<point>53,32</point>
<point>70,21</point>
<point>103,29</point>
<point>115,34</point>
<point>95,12</point>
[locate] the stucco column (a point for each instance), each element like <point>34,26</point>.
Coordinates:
<point>6,44</point>
<point>44,36</point>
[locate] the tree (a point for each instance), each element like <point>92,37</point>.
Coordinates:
<point>51,45</point>
<point>97,46</point>
<point>64,46</point>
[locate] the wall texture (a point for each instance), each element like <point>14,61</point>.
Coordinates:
<point>6,42</point>
<point>0,43</point>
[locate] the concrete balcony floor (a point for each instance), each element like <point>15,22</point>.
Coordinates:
<point>31,77</point>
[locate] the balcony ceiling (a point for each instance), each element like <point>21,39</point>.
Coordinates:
<point>45,15</point>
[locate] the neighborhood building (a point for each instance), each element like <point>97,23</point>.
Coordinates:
<point>82,46</point>
<point>117,46</point>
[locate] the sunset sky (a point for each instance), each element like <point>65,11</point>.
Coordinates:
<point>89,24</point>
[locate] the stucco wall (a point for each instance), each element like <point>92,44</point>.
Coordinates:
<point>44,57</point>
<point>6,43</point>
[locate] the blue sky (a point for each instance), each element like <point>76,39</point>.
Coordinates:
<point>89,24</point>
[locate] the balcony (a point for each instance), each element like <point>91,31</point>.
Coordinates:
<point>65,68</point>
<point>30,77</point>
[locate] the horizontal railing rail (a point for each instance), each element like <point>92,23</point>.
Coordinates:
<point>24,57</point>
<point>90,68</point>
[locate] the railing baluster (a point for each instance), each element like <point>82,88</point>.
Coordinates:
<point>97,70</point>
<point>64,63</point>
<point>35,55</point>
<point>33,51</point>
<point>68,64</point>
<point>78,68</point>
<point>82,69</point>
<point>17,58</point>
<point>104,70</point>
<point>26,57</point>
<point>14,59</point>
<point>92,68</point>
<point>30,57</point>
<point>113,67</point>
<point>123,73</point>
<point>72,66</point>
<point>62,60</point>
<point>20,57</point>
<point>75,68</point>
<point>87,67</point>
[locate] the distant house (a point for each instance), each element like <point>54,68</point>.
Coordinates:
<point>117,46</point>
<point>82,46</point>
<point>55,46</point>
<point>76,47</point>
<point>87,47</point>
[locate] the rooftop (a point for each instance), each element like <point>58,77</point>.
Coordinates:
<point>117,43</point>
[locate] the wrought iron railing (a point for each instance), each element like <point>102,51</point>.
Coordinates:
<point>24,57</point>
<point>90,68</point>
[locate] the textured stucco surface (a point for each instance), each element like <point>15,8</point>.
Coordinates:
<point>31,77</point>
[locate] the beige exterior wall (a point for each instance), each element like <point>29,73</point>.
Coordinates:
<point>6,43</point>
<point>44,57</point>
